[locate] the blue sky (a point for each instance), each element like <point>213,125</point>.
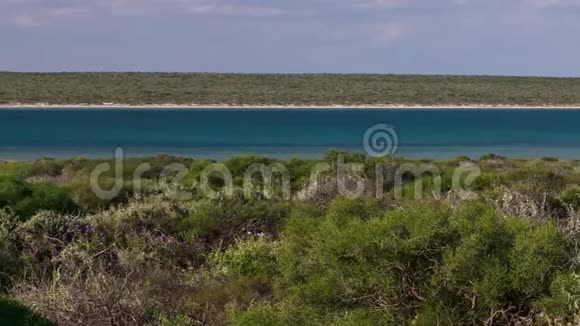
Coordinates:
<point>494,37</point>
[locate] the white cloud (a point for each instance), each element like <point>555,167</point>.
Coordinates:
<point>555,3</point>
<point>37,17</point>
<point>246,10</point>
<point>196,7</point>
<point>387,3</point>
<point>362,4</point>
<point>389,33</point>
<point>38,12</point>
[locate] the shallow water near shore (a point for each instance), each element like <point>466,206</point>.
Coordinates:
<point>221,133</point>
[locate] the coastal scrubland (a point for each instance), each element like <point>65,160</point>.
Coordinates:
<point>284,89</point>
<point>501,249</point>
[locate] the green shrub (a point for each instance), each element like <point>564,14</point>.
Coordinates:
<point>426,188</point>
<point>342,210</point>
<point>94,298</point>
<point>143,214</point>
<point>26,200</point>
<point>485,181</point>
<point>463,158</point>
<point>12,189</point>
<point>180,320</point>
<point>498,263</point>
<point>45,196</point>
<point>238,165</point>
<point>43,236</point>
<point>550,159</point>
<point>43,168</point>
<point>213,301</point>
<point>364,262</point>
<point>8,257</point>
<point>491,156</point>
<point>363,317</point>
<point>282,313</point>
<point>562,306</point>
<point>8,222</point>
<point>262,314</point>
<point>250,258</point>
<point>571,197</point>
<point>546,180</point>
<point>13,313</point>
<point>230,219</point>
<point>84,196</point>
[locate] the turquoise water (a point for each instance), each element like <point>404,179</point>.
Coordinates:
<point>220,133</point>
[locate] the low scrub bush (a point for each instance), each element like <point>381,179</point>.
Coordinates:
<point>247,258</point>
<point>424,261</point>
<point>509,257</point>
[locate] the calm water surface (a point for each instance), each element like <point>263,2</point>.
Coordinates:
<point>220,133</point>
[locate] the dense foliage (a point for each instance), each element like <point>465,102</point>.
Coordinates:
<point>278,89</point>
<point>505,254</point>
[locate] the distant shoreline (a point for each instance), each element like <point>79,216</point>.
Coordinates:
<point>336,106</point>
<point>285,91</point>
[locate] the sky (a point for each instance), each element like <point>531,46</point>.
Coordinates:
<point>468,37</point>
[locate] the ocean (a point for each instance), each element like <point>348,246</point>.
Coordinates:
<point>221,133</point>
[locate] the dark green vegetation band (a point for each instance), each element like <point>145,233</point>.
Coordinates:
<point>278,89</point>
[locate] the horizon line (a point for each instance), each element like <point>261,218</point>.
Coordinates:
<point>286,73</point>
